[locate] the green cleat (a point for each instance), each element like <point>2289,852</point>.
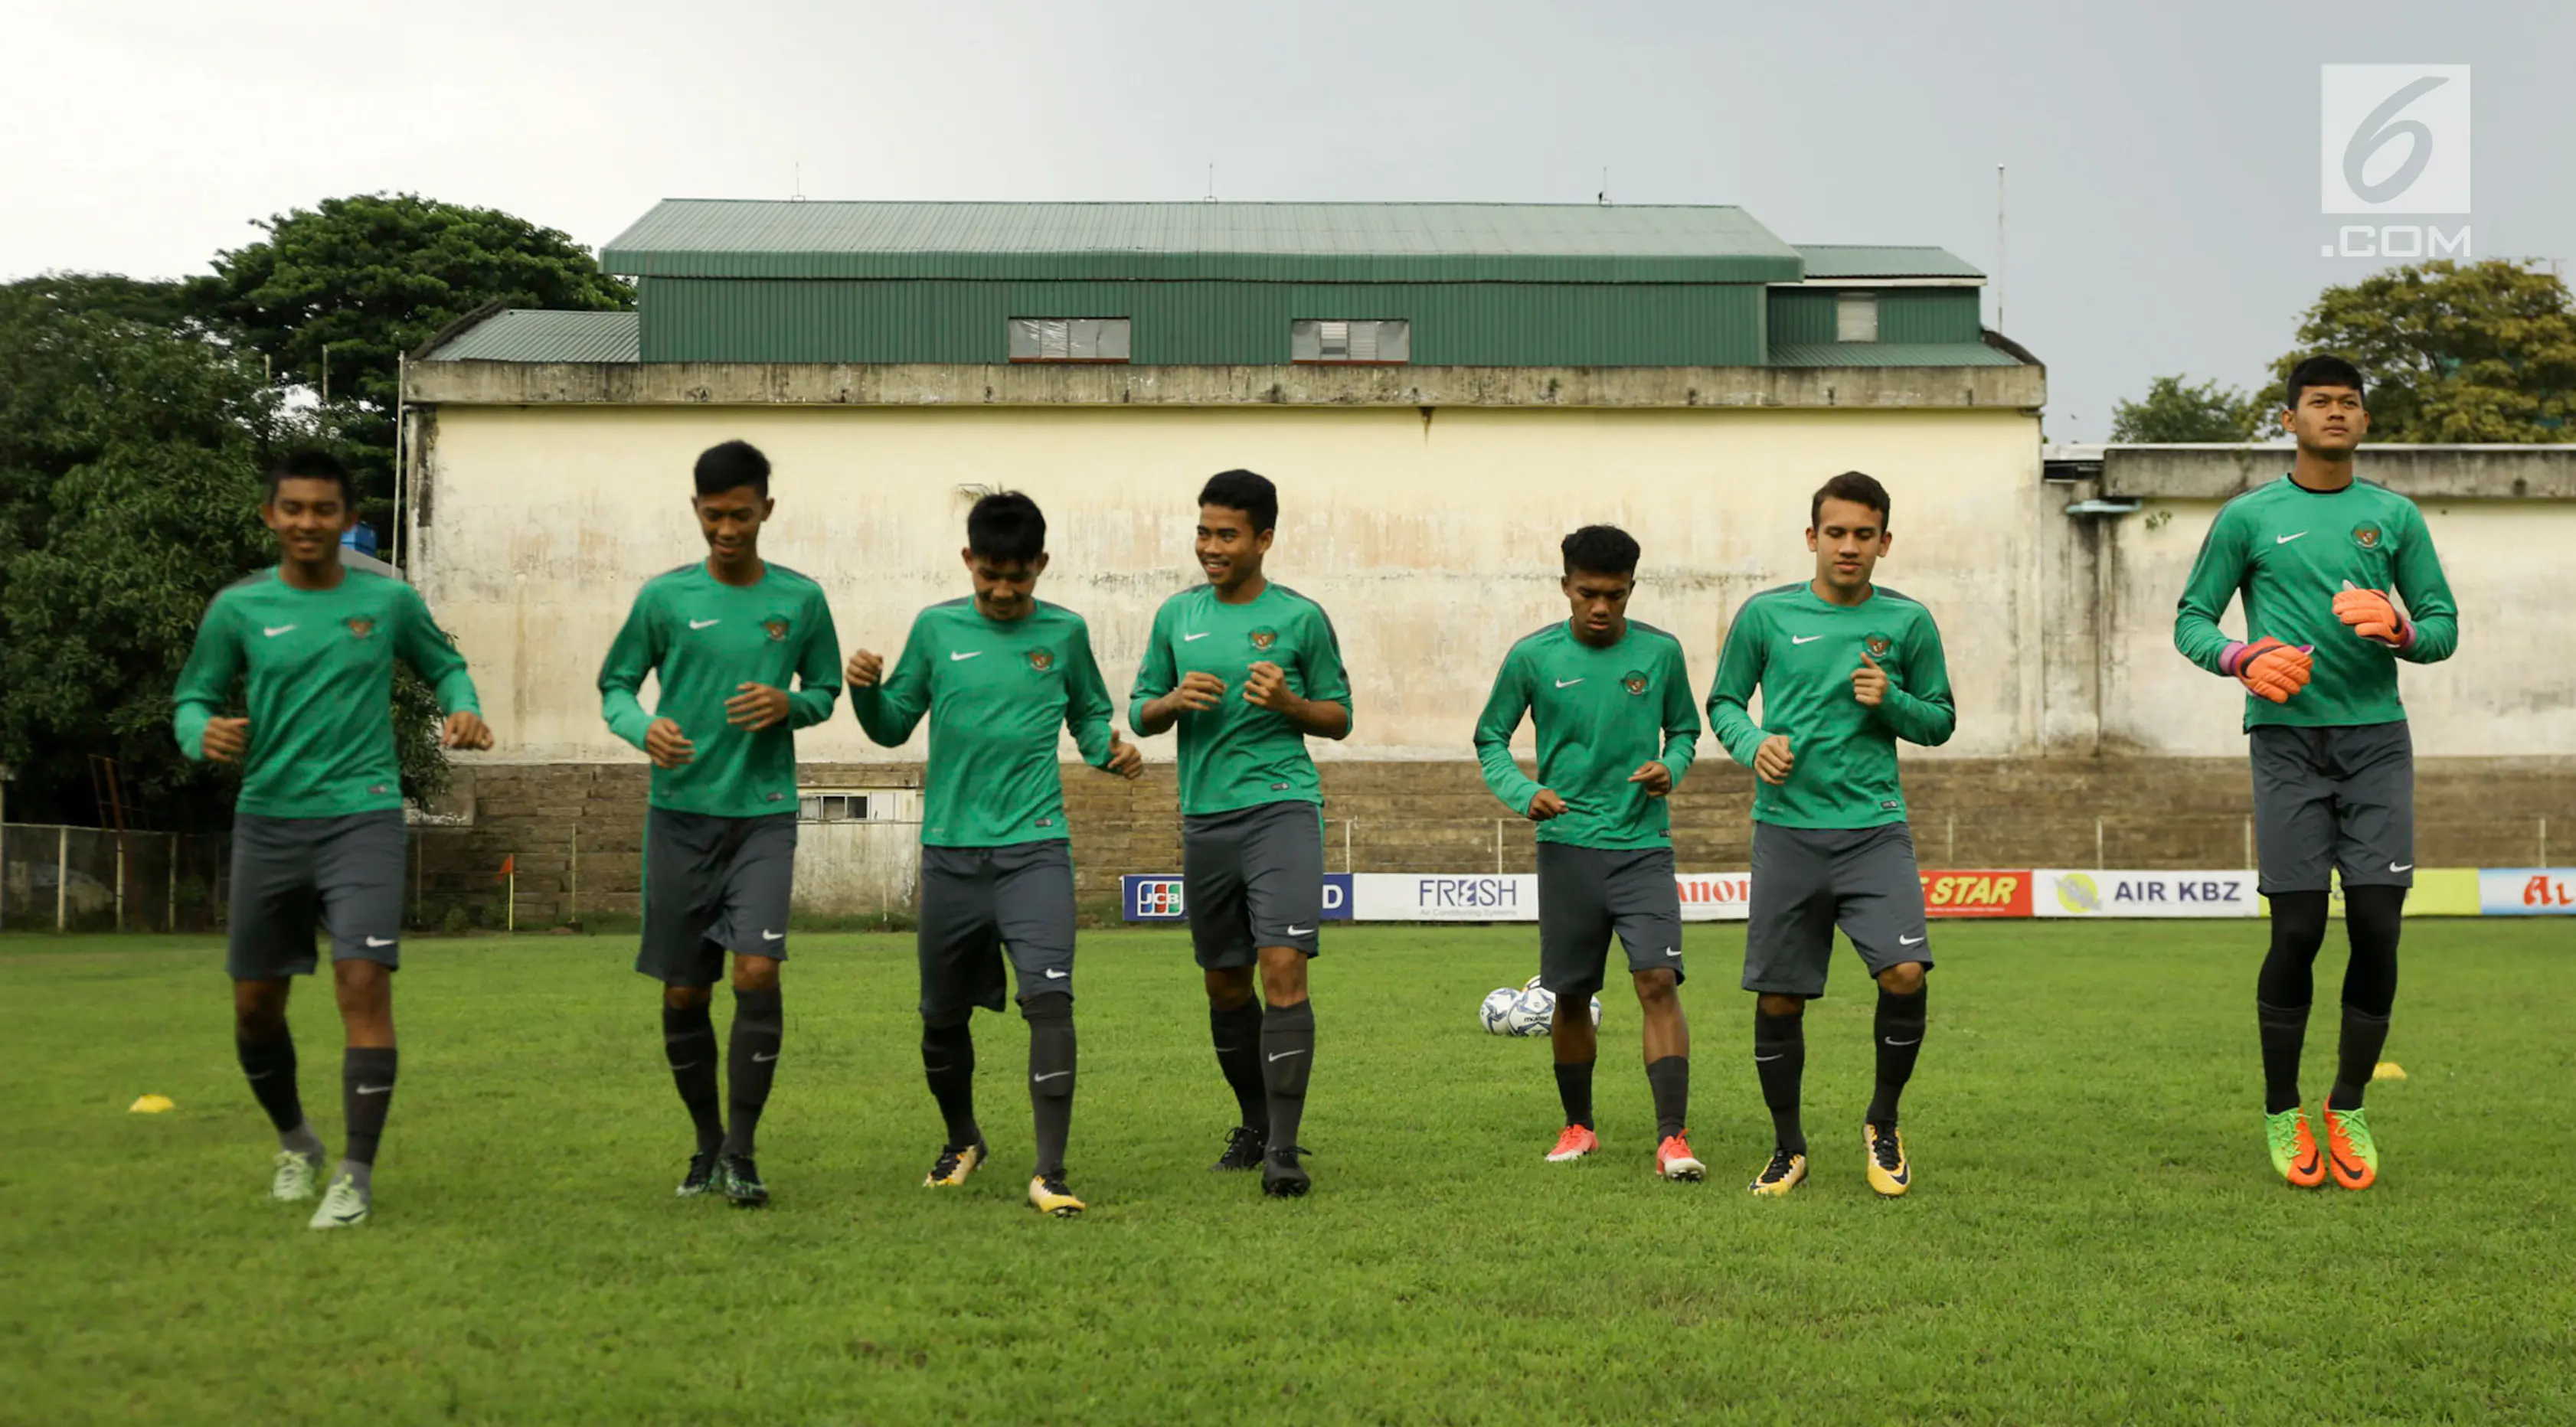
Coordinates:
<point>296,1176</point>
<point>701,1178</point>
<point>2352,1152</point>
<point>346,1206</point>
<point>741,1180</point>
<point>2294,1150</point>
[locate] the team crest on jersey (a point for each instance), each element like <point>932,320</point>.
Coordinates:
<point>2366,536</point>
<point>1264,637</point>
<point>776,624</point>
<point>1634,681</point>
<point>1041,660</point>
<point>359,626</point>
<point>1877,645</point>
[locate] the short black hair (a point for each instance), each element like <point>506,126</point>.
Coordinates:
<point>1245,491</point>
<point>2324,369</point>
<point>734,463</point>
<point>1858,487</point>
<point>1600,550</point>
<point>1006,527</point>
<point>312,465</point>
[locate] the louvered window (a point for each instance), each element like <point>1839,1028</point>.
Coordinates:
<point>1384,340</point>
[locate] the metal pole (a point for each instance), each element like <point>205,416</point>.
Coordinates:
<point>2249,840</point>
<point>120,885</point>
<point>1498,847</point>
<point>2098,863</point>
<point>512,924</point>
<point>1346,844</point>
<point>62,877</point>
<point>394,526</point>
<point>572,913</point>
<point>170,915</point>
<point>1951,852</point>
<point>1999,247</point>
<point>2544,840</point>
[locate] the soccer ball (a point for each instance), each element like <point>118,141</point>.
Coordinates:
<point>1533,1013</point>
<point>1531,984</point>
<point>1496,1013</point>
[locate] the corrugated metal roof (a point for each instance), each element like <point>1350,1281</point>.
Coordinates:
<point>527,335</point>
<point>1858,260</point>
<point>1254,242</point>
<point>1890,354</point>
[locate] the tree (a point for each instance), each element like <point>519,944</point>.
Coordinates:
<point>2453,352</point>
<point>2173,411</point>
<point>374,275</point>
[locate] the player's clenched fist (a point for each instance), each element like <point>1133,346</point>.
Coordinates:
<point>2373,616</point>
<point>1869,682</point>
<point>1657,778</point>
<point>1124,759</point>
<point>226,739</point>
<point>466,729</point>
<point>1544,806</point>
<point>664,744</point>
<point>863,670</point>
<point>2270,669</point>
<point>1197,692</point>
<point>1773,760</point>
<point>1266,686</point>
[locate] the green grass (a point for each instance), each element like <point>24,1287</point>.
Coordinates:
<point>2095,1236</point>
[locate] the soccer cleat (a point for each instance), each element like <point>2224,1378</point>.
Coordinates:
<point>701,1178</point>
<point>296,1175</point>
<point>1673,1160</point>
<point>345,1207</point>
<point>1575,1143</point>
<point>1047,1195</point>
<point>955,1162</point>
<point>1785,1172</point>
<point>741,1181</point>
<point>2294,1149</point>
<point>2352,1153</point>
<point>1889,1174</point>
<point>1282,1177</point>
<point>1244,1147</point>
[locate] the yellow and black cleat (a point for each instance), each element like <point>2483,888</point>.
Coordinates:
<point>1049,1196</point>
<point>1785,1172</point>
<point>1889,1174</point>
<point>954,1164</point>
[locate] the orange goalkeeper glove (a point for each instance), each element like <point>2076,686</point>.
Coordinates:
<point>2373,616</point>
<point>2268,668</point>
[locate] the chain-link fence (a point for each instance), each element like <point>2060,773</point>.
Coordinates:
<point>56,878</point>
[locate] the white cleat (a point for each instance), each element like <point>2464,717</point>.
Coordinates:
<point>297,1174</point>
<point>345,1207</point>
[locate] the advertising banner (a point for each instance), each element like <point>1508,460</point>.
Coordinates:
<point>2067,893</point>
<point>2527,891</point>
<point>1715,896</point>
<point>1977,894</point>
<point>1161,897</point>
<point>1434,897</point>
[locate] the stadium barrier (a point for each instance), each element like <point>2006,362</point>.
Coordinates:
<point>2045,893</point>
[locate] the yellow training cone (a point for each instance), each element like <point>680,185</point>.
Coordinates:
<point>152,1105</point>
<point>2389,1070</point>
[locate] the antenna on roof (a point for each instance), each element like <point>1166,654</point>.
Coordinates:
<point>799,195</point>
<point>1999,248</point>
<point>1603,197</point>
<point>1211,193</point>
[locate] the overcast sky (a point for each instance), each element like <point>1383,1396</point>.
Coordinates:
<point>2164,159</point>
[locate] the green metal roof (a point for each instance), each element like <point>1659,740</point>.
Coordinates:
<point>1864,260</point>
<point>1245,242</point>
<point>525,335</point>
<point>1890,354</point>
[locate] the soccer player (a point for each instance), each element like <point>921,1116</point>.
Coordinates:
<point>1845,669</point>
<point>997,674</point>
<point>1611,699</point>
<point>1249,671</point>
<point>725,637</point>
<point>318,824</point>
<point>2323,560</point>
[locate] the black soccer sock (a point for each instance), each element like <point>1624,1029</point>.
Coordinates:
<point>269,1065</point>
<point>2364,1036</point>
<point>689,1044</point>
<point>751,1063</point>
<point>1287,1058</point>
<point>1899,1035</point>
<point>1669,1079</point>
<point>1574,1087</point>
<point>1780,1059</point>
<point>2372,917</point>
<point>1051,1063</point>
<point>948,1063</point>
<point>366,1096</point>
<point>2284,990</point>
<point>1237,1037</point>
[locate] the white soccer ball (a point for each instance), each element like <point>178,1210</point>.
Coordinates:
<point>1531,984</point>
<point>1496,1013</point>
<point>1533,1012</point>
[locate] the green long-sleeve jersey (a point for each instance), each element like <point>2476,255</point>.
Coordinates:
<point>2288,551</point>
<point>995,691</point>
<point>1602,714</point>
<point>1237,755</point>
<point>317,668</point>
<point>702,639</point>
<point>1799,650</point>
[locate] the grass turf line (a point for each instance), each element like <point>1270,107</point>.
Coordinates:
<point>2095,1236</point>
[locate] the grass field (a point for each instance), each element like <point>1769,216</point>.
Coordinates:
<point>2095,1236</point>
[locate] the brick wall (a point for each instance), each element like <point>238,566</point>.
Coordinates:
<point>1437,817</point>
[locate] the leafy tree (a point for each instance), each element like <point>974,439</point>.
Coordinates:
<point>2453,352</point>
<point>2173,411</point>
<point>375,275</point>
<point>162,303</point>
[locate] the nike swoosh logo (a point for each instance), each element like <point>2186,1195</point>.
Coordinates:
<point>381,940</point>
<point>1804,638</point>
<point>1055,975</point>
<point>1301,931</point>
<point>2286,539</point>
<point>703,623</point>
<point>956,655</point>
<point>349,1218</point>
<point>758,1059</point>
<point>1283,1055</point>
<point>1767,1059</point>
<point>274,630</point>
<point>692,1065</point>
<point>1050,1075</point>
<point>375,1090</point>
<point>1918,1040</point>
<point>1228,1049</point>
<point>773,936</point>
<point>1202,634</point>
<point>263,1075</point>
<point>1673,951</point>
<point>1909,941</point>
<point>2406,867</point>
<point>1570,683</point>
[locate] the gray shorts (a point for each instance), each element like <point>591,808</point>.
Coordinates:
<point>1807,881</point>
<point>1585,894</point>
<point>977,901</point>
<point>1253,878</point>
<point>2334,799</point>
<point>713,885</point>
<point>347,872</point>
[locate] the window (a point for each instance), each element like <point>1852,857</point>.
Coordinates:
<point>1068,339</point>
<point>815,807</point>
<point>1373,340</point>
<point>1855,317</point>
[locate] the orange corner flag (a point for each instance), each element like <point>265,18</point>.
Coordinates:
<point>509,865</point>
